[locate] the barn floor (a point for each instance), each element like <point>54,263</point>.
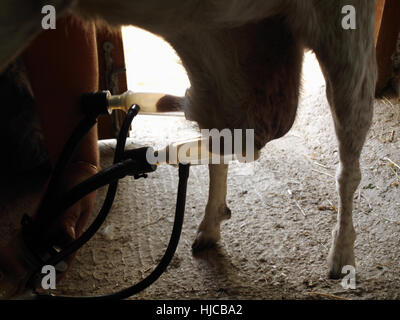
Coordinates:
<point>269,249</point>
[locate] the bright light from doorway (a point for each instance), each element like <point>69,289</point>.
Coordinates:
<point>152,64</point>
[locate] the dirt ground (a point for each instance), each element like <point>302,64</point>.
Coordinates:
<point>269,249</point>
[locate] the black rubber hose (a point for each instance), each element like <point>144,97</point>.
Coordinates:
<point>113,174</point>
<point>165,260</point>
<point>111,191</point>
<point>110,175</point>
<point>108,201</point>
<point>84,126</point>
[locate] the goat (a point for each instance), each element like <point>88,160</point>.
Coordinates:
<point>244,60</point>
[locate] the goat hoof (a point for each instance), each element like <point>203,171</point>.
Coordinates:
<point>202,243</point>
<point>228,213</point>
<point>337,262</point>
<point>332,275</point>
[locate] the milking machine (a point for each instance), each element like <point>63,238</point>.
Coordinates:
<point>38,249</point>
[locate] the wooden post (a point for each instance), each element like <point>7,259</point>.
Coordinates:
<point>380,5</point>
<point>111,76</point>
<point>387,31</point>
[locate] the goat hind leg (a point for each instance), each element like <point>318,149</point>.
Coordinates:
<point>348,62</point>
<point>351,102</point>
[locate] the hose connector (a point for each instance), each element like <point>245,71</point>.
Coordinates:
<point>147,101</point>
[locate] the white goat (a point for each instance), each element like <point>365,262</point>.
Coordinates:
<point>244,60</point>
